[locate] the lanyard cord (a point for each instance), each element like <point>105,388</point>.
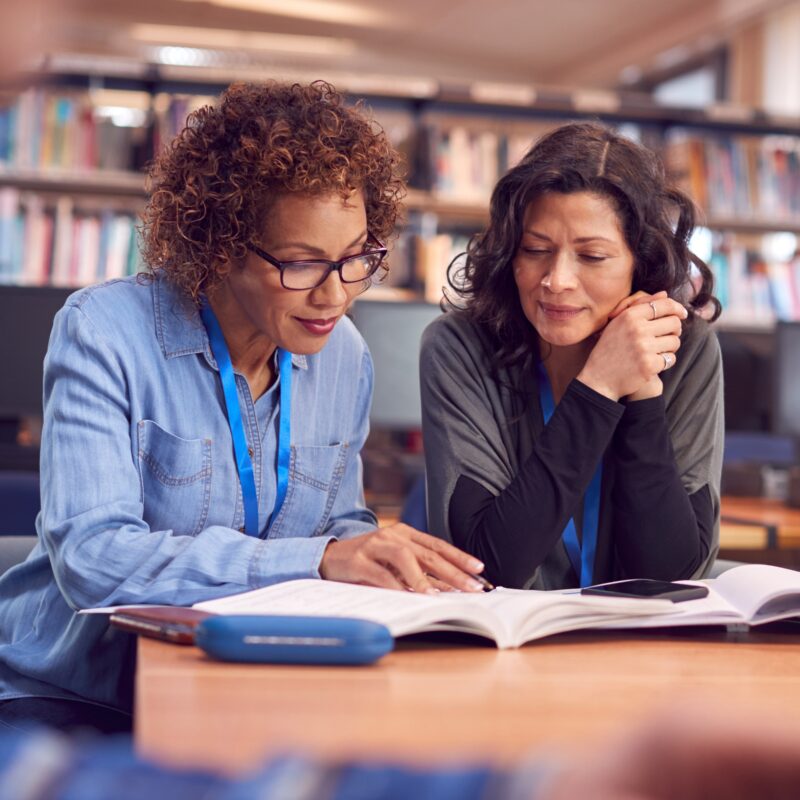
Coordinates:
<point>244,463</point>
<point>581,557</point>
<point>284,431</point>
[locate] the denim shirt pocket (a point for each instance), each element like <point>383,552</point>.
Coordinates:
<point>315,473</point>
<point>175,474</point>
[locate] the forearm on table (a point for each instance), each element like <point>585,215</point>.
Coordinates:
<point>512,532</point>
<point>660,531</point>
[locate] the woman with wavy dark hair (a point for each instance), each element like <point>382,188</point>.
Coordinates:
<point>202,426</point>
<point>572,395</point>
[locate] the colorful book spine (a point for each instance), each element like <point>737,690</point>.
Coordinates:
<point>62,245</point>
<point>738,177</point>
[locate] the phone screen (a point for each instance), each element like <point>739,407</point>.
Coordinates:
<point>644,587</point>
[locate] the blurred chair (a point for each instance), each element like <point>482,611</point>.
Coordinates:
<point>414,512</point>
<point>752,459</point>
<point>760,448</point>
<point>14,550</point>
<point>19,505</point>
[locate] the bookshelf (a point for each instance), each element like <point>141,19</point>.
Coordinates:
<point>115,183</point>
<point>72,148</point>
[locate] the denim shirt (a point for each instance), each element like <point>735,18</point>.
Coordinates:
<point>141,500</point>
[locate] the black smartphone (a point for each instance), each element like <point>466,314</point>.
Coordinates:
<point>644,587</point>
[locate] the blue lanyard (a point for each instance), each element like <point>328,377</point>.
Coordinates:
<point>244,464</point>
<point>581,558</point>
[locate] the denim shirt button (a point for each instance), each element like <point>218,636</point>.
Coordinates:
<point>250,452</point>
<point>241,530</point>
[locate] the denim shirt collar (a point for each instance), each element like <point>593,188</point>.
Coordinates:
<point>179,329</point>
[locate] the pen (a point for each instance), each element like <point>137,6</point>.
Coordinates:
<point>487,587</point>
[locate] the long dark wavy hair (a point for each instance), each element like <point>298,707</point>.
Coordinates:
<point>656,219</point>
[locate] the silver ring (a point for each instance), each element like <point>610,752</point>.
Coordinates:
<point>653,306</point>
<point>667,360</point>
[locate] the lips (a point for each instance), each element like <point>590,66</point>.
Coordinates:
<point>318,327</point>
<point>556,312</point>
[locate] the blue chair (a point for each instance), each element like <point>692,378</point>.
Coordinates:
<point>745,454</point>
<point>19,505</point>
<point>759,448</point>
<point>414,511</point>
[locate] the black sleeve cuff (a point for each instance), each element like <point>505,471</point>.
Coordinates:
<point>611,407</point>
<point>645,410</point>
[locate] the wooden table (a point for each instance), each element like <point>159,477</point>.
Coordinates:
<point>760,530</point>
<point>454,698</point>
<point>768,513</point>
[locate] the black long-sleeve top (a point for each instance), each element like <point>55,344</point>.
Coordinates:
<point>502,485</point>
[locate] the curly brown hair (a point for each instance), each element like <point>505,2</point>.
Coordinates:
<point>657,220</point>
<point>211,188</point>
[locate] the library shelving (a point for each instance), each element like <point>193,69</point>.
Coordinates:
<point>73,146</point>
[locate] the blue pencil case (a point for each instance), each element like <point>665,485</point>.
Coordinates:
<point>293,640</point>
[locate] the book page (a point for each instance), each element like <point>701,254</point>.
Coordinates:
<point>401,612</point>
<point>508,616</point>
<point>711,610</point>
<point>753,586</point>
<point>114,609</point>
<point>535,614</point>
<point>752,593</point>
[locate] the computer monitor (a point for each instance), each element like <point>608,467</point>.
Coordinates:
<point>747,366</point>
<point>26,317</point>
<point>786,394</point>
<point>393,331</point>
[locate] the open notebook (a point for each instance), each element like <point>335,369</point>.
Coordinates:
<point>751,594</point>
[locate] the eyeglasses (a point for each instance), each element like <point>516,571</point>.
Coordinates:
<point>298,275</point>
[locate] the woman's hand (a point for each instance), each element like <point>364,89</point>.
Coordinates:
<point>654,387</point>
<point>639,342</point>
<point>400,557</point>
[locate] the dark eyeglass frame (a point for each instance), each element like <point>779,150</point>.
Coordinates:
<point>379,251</point>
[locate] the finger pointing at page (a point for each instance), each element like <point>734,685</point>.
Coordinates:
<point>400,557</point>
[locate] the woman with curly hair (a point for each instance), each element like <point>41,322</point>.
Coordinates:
<point>572,404</point>
<point>203,425</point>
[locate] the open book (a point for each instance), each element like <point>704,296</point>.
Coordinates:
<point>751,594</point>
<point>510,617</point>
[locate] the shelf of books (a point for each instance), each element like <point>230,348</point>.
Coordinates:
<point>71,181</point>
<point>749,190</point>
<point>744,183</point>
<point>71,186</point>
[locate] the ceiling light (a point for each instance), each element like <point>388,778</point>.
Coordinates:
<point>182,56</point>
<point>210,38</point>
<point>319,10</point>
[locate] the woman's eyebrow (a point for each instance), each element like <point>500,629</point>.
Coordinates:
<point>583,239</point>
<point>579,240</point>
<point>317,250</point>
